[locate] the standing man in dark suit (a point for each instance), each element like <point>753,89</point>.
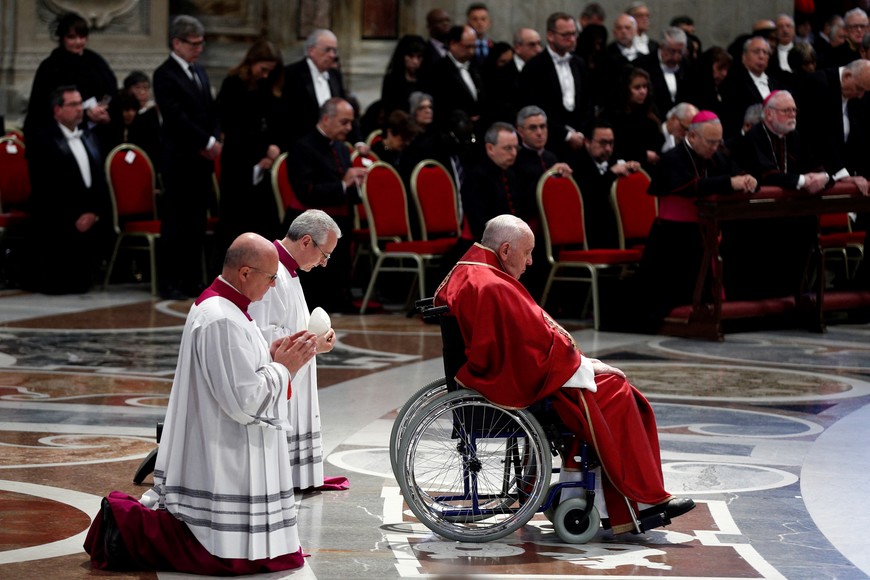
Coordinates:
<point>190,146</point>
<point>438,23</point>
<point>504,90</point>
<point>321,176</point>
<point>833,116</point>
<point>668,76</point>
<point>556,81</point>
<point>455,80</point>
<point>310,82</point>
<point>68,200</point>
<point>747,84</point>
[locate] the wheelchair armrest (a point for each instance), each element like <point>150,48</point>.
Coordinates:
<point>426,308</point>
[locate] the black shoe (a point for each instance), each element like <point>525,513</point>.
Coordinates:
<point>117,557</point>
<point>672,509</point>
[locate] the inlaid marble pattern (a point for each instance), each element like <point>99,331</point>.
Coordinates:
<point>751,428</point>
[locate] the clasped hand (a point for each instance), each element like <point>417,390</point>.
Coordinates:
<point>295,350</point>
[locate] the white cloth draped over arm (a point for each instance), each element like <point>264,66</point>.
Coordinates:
<point>583,377</point>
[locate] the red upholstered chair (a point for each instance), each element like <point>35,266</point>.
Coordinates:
<point>132,186</point>
<point>386,206</point>
<point>14,183</point>
<point>838,239</point>
<point>17,133</point>
<point>435,197</point>
<point>374,137</point>
<point>561,209</point>
<point>635,210</point>
<point>284,197</point>
<point>357,159</point>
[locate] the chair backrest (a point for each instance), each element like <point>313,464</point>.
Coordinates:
<point>17,133</point>
<point>435,199</point>
<point>281,188</point>
<point>14,174</point>
<point>374,137</point>
<point>386,206</point>
<point>835,222</point>
<point>561,208</point>
<point>357,159</point>
<point>634,208</point>
<point>131,178</point>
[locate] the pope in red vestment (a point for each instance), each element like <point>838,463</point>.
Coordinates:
<point>517,355</point>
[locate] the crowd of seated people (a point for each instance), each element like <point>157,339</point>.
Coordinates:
<point>455,95</point>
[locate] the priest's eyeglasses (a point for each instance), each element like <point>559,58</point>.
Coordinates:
<point>326,256</point>
<point>271,277</point>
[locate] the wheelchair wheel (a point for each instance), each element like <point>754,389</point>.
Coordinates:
<point>415,402</point>
<point>550,512</point>
<point>572,524</point>
<point>472,471</point>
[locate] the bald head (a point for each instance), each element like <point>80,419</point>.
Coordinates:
<point>250,264</point>
<point>855,79</point>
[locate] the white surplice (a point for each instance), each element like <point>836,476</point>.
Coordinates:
<point>283,311</point>
<point>221,466</point>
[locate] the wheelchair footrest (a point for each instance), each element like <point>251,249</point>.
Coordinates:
<point>650,522</point>
<point>653,521</point>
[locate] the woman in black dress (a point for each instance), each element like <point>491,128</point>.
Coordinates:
<point>72,63</point>
<point>636,129</point>
<point>403,74</point>
<point>249,111</point>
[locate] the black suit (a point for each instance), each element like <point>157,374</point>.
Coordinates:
<point>502,94</point>
<point>598,216</point>
<point>821,123</point>
<point>738,93</point>
<point>299,100</point>
<point>610,65</point>
<point>450,92</point>
<point>61,259</point>
<point>663,102</point>
<point>189,121</point>
<point>540,86</point>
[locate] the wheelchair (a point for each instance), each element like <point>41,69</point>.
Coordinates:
<point>472,471</point>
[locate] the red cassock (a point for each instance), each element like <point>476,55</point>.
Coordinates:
<point>517,355</point>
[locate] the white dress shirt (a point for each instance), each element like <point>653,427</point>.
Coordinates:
<point>761,83</point>
<point>321,83</point>
<point>462,67</point>
<point>566,79</point>
<point>782,55</point>
<point>74,139</point>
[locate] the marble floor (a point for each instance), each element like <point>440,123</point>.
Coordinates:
<point>767,431</point>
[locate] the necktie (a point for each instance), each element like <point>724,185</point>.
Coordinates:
<point>194,77</point>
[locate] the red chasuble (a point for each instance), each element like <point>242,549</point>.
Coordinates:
<point>517,355</point>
